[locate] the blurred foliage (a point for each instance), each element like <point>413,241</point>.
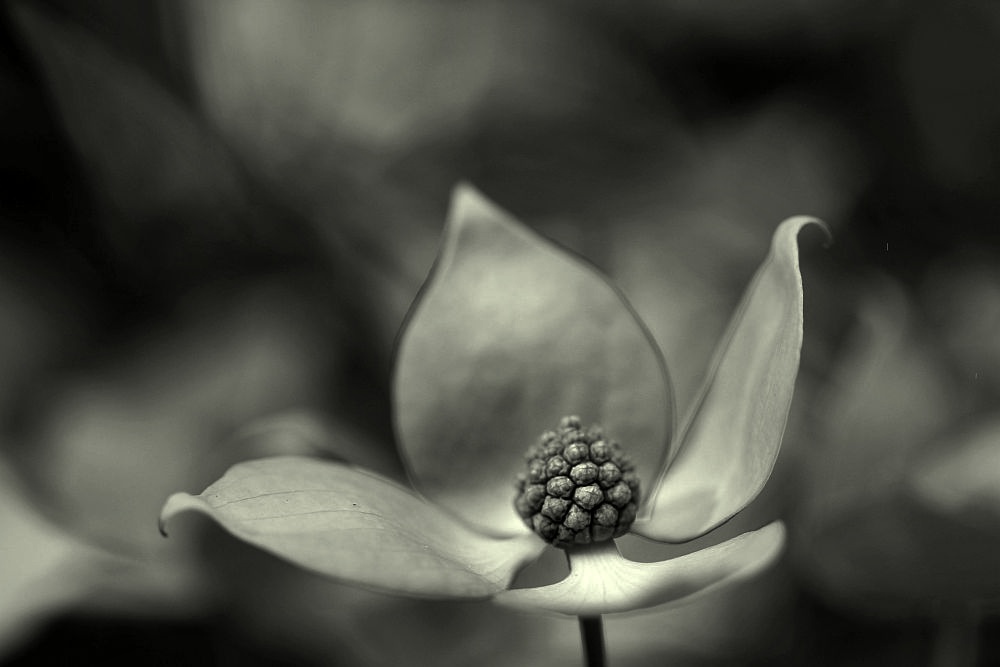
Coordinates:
<point>218,211</point>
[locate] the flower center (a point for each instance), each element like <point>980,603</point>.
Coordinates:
<point>579,486</point>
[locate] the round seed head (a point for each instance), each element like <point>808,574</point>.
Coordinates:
<point>578,486</point>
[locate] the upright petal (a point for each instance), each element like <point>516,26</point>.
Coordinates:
<point>356,527</point>
<point>601,581</point>
<point>730,440</point>
<point>509,334</point>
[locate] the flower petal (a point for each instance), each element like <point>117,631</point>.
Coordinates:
<point>731,438</point>
<point>601,581</point>
<point>510,334</point>
<point>355,526</point>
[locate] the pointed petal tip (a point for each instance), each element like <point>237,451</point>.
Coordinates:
<point>357,527</point>
<point>469,205</point>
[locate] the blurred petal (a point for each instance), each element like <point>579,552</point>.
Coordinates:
<point>601,581</point>
<point>732,437</point>
<point>35,579</point>
<point>875,528</point>
<point>961,478</point>
<point>107,443</point>
<point>357,527</point>
<point>510,334</point>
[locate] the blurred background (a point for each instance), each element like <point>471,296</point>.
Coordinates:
<point>215,216</point>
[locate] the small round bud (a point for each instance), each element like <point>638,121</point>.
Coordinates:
<point>588,497</point>
<point>536,470</point>
<point>577,518</point>
<point>555,466</point>
<point>578,486</point>
<point>560,487</point>
<point>606,515</point>
<point>576,452</point>
<point>544,526</point>
<point>530,500</point>
<point>609,475</point>
<point>600,452</point>
<point>619,494</point>
<point>571,422</point>
<point>555,508</point>
<point>584,473</point>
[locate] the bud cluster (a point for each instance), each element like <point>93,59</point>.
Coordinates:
<point>579,487</point>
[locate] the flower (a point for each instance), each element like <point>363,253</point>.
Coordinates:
<point>509,334</point>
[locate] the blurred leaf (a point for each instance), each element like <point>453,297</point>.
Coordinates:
<point>510,334</point>
<point>174,200</point>
<point>731,440</point>
<point>357,527</point>
<point>602,582</point>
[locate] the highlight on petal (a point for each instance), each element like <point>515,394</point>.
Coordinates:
<point>730,440</point>
<point>601,581</point>
<point>358,527</point>
<point>510,334</point>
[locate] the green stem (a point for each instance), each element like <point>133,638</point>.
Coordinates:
<point>592,636</point>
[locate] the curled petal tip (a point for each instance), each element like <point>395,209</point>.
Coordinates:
<point>795,224</point>
<point>177,503</point>
<point>731,438</point>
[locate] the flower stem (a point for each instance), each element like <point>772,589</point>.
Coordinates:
<point>592,636</point>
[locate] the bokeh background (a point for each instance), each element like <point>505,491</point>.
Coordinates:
<point>215,215</point>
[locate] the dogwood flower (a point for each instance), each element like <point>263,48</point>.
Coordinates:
<point>510,337</point>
